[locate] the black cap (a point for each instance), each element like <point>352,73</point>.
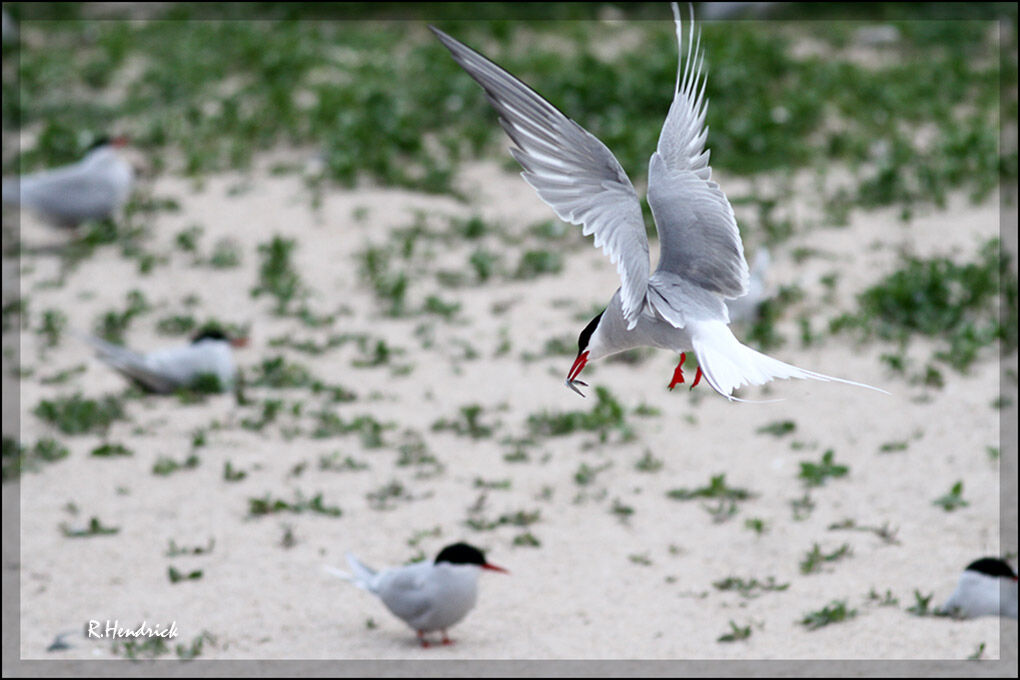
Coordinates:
<point>461,553</point>
<point>992,566</point>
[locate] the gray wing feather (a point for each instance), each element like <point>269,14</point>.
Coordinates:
<point>131,364</point>
<point>405,594</point>
<point>697,229</point>
<point>572,171</point>
<point>68,194</point>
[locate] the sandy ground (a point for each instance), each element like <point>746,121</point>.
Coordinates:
<point>598,586</point>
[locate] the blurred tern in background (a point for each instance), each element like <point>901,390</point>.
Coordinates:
<point>166,370</point>
<point>987,587</point>
<point>91,189</point>
<point>682,305</point>
<point>427,596</point>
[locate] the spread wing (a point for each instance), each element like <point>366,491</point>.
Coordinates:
<point>697,229</point>
<point>571,170</point>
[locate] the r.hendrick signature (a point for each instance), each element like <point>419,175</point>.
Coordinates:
<point>113,629</point>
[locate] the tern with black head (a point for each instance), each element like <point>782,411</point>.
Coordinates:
<point>165,370</point>
<point>94,188</point>
<point>427,596</point>
<point>987,587</point>
<point>681,306</point>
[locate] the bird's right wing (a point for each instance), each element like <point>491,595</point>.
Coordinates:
<point>405,591</point>
<point>572,171</point>
<point>131,364</point>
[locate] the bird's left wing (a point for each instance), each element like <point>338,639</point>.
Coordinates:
<point>572,171</point>
<point>698,232</point>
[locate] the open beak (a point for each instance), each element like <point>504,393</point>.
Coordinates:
<point>493,567</point>
<point>575,370</point>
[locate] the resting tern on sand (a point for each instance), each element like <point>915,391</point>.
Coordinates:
<point>427,596</point>
<point>165,370</point>
<point>91,189</point>
<point>682,305</point>
<point>987,587</point>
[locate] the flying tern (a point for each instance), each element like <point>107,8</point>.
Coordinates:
<point>681,306</point>
<point>427,596</point>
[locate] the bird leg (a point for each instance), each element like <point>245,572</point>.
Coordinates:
<point>421,638</point>
<point>697,378</point>
<point>446,638</point>
<point>678,374</point>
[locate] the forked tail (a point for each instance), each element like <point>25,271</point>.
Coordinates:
<point>728,365</point>
<point>362,576</point>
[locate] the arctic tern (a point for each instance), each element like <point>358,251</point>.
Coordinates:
<point>165,370</point>
<point>427,596</point>
<point>681,306</point>
<point>91,189</point>
<point>987,587</point>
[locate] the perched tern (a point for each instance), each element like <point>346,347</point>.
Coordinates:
<point>987,587</point>
<point>427,596</point>
<point>682,305</point>
<point>165,370</point>
<point>91,189</point>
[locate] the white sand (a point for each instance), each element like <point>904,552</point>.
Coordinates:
<point>596,588</point>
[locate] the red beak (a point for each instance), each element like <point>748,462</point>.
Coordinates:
<point>239,342</point>
<point>119,141</point>
<point>579,363</point>
<point>493,567</point>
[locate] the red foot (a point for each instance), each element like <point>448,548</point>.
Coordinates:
<point>678,374</point>
<point>447,641</point>
<point>422,640</point>
<point>697,378</point>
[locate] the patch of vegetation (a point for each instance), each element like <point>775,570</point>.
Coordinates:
<point>607,416</point>
<point>278,276</point>
<point>467,424</point>
<point>952,500</point>
<point>18,458</point>
<point>54,322</point>
<point>883,532</point>
<point>813,560</point>
<point>94,528</point>
<point>534,263</point>
<point>736,633</point>
<point>648,463</point>
<point>956,303</point>
<point>174,550</point>
<point>113,324</point>
<point>750,588</point>
<point>267,505</point>
<point>177,576</point>
<point>521,518</point>
<point>334,463</point>
<point>78,415</point>
<point>922,604</point>
<point>834,612</point>
<point>778,428</point>
<point>165,466</point>
<point>716,488</point>
<point>385,496</point>
<point>368,428</point>
<point>815,474</point>
<point>109,450</point>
